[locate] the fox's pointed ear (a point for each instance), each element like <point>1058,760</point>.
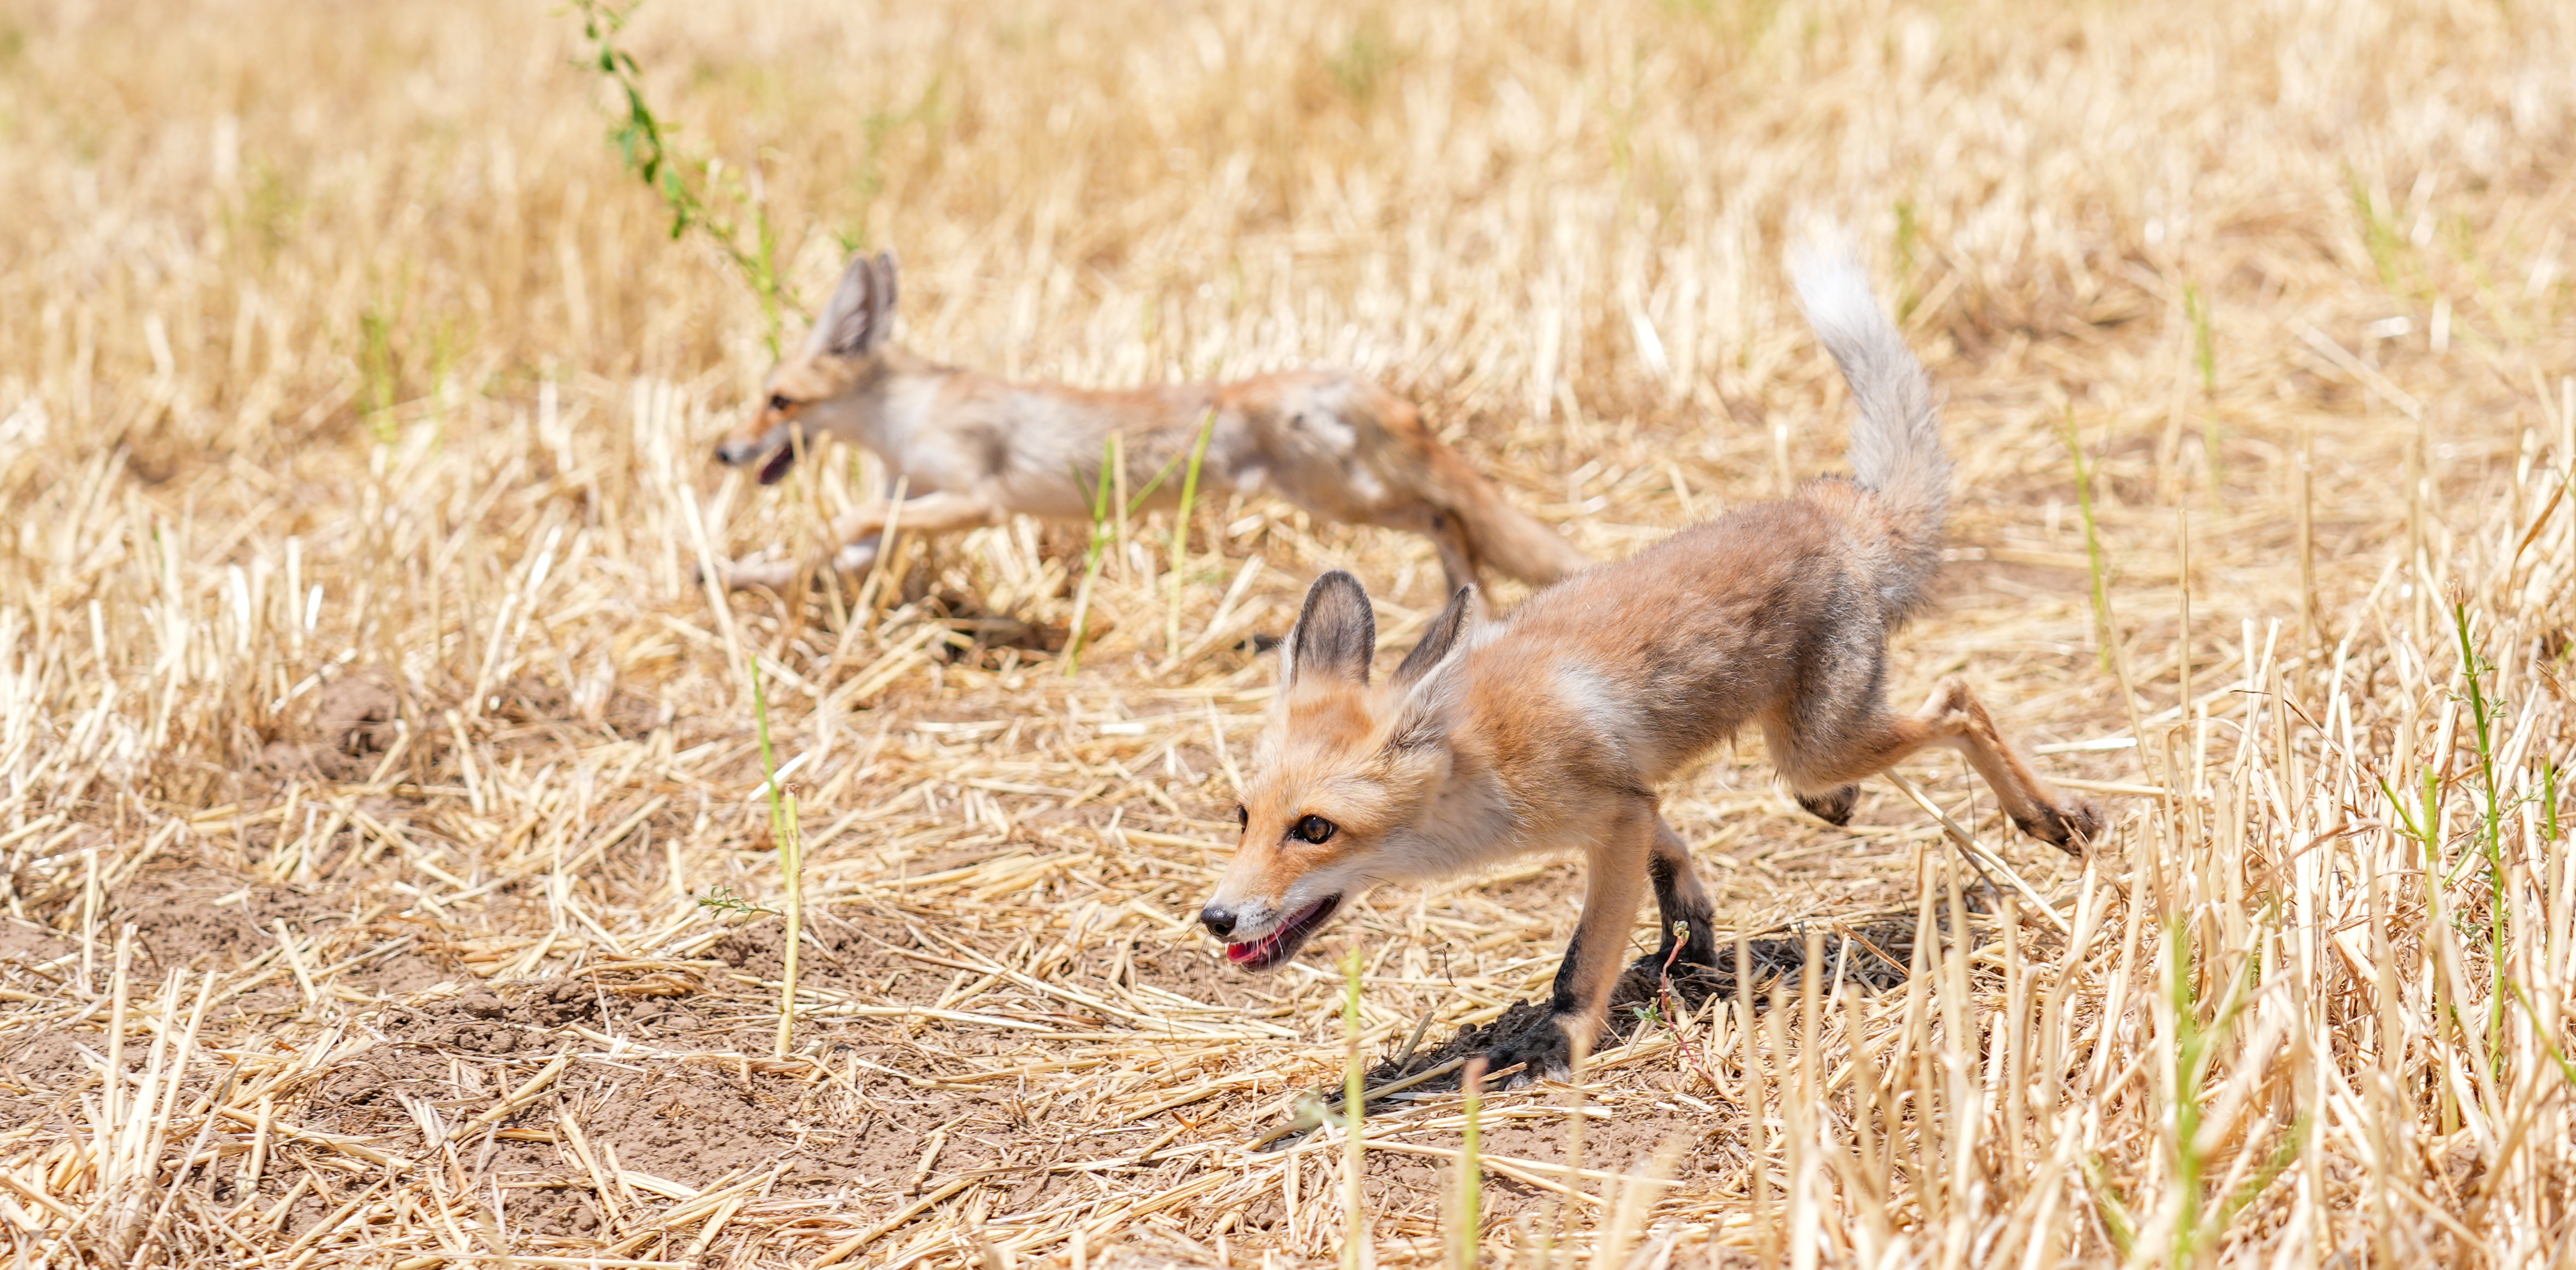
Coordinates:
<point>1433,677</point>
<point>1437,642</point>
<point>1336,632</point>
<point>885,292</point>
<point>855,319</point>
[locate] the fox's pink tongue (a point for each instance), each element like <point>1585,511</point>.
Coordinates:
<point>1240,953</point>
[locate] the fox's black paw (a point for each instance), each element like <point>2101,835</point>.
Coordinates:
<point>2069,827</point>
<point>1543,1051</point>
<point>1834,806</point>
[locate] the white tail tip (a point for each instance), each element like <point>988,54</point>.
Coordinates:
<point>1833,287</point>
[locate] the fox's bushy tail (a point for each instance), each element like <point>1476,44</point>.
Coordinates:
<point>1896,450</point>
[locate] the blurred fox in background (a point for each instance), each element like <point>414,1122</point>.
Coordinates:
<point>1554,726</point>
<point>973,450</point>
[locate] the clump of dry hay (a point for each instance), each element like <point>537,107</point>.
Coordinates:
<point>366,752</point>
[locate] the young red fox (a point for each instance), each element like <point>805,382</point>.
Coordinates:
<point>1554,726</point>
<point>973,450</point>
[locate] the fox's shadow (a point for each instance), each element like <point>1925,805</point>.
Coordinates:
<point>1871,956</point>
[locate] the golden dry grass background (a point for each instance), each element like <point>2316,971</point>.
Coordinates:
<point>354,417</point>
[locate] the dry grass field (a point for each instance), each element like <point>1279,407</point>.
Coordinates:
<point>388,869</point>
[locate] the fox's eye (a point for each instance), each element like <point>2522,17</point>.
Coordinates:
<point>1313,829</point>
<point>1242,817</point>
<point>780,403</point>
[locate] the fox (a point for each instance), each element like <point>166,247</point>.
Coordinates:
<point>1554,725</point>
<point>970,450</point>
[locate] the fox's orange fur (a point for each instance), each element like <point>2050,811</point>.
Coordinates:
<point>973,450</point>
<point>1554,727</point>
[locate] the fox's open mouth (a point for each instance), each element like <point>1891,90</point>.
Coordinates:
<point>776,468</point>
<point>1281,944</point>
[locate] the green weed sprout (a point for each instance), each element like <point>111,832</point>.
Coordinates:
<point>723,900</point>
<point>1471,1171</point>
<point>1354,1115</point>
<point>1181,529</point>
<point>643,142</point>
<point>791,862</point>
<point>2084,477</point>
<point>1105,514</point>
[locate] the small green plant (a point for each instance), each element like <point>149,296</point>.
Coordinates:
<point>378,373</point>
<point>1181,530</point>
<point>696,192</point>
<point>2204,348</point>
<point>791,862</point>
<point>723,900</point>
<point>878,129</point>
<point>2548,801</point>
<point>2084,477</point>
<point>1361,66</point>
<point>2204,342</point>
<point>2378,234</point>
<point>2195,1049</point>
<point>2425,826</point>
<point>1471,1171</point>
<point>1106,513</point>
<point>2283,1156</point>
<point>2117,1221</point>
<point>1354,1116</point>
<point>2190,1047</point>
<point>1092,554</point>
<point>2473,670</point>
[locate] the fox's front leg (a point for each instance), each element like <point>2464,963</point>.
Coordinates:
<point>1614,883</point>
<point>941,511</point>
<point>861,532</point>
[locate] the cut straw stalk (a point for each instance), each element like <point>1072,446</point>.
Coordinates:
<point>1467,1214</point>
<point>1111,509</point>
<point>1181,532</point>
<point>146,682</point>
<point>1354,1120</point>
<point>1101,496</point>
<point>784,827</point>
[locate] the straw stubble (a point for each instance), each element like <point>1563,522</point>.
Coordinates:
<point>368,738</point>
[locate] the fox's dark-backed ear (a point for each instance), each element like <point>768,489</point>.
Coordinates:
<point>855,319</point>
<point>1336,632</point>
<point>1437,642</point>
<point>884,295</point>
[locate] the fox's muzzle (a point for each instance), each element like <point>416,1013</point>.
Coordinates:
<point>778,445</point>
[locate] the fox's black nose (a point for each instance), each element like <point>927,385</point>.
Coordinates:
<point>727,453</point>
<point>1219,921</point>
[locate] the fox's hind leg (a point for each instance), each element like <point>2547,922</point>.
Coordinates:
<point>1683,905</point>
<point>1457,555</point>
<point>1822,749</point>
<point>2036,807</point>
<point>1834,806</point>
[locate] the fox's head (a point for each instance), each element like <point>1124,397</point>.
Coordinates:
<point>821,387</point>
<point>1347,777</point>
